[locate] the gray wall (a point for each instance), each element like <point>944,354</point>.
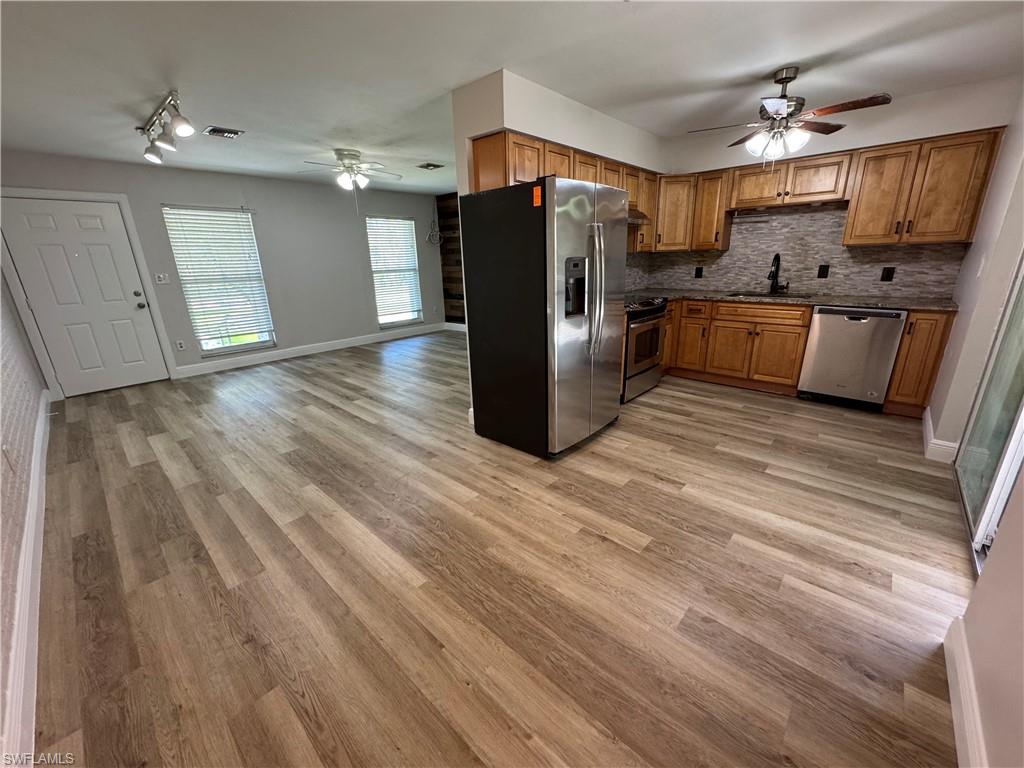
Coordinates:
<point>312,241</point>
<point>22,384</point>
<point>805,236</point>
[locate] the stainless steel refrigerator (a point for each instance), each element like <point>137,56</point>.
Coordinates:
<point>544,265</point>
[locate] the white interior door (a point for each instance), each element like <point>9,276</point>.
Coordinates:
<point>79,274</point>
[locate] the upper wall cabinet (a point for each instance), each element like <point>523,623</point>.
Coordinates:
<point>920,192</point>
<point>711,223</point>
<point>611,174</point>
<point>948,188</point>
<point>816,179</point>
<point>525,158</point>
<point>631,183</point>
<point>557,160</point>
<point>675,213</point>
<point>648,204</point>
<point>586,167</point>
<point>812,180</point>
<point>756,186</point>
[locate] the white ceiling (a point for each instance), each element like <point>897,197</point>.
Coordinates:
<point>302,78</point>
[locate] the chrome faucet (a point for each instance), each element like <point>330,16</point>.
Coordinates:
<point>773,275</point>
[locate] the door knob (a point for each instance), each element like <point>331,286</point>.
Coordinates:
<point>136,293</point>
<point>141,305</point>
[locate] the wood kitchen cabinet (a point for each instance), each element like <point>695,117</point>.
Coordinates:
<point>675,213</point>
<point>917,361</point>
<point>691,343</point>
<point>729,346</point>
<point>920,192</point>
<point>631,183</point>
<point>816,179</point>
<point>611,173</point>
<point>711,223</point>
<point>948,188</point>
<point>778,353</point>
<point>525,158</point>
<point>586,167</point>
<point>757,186</point>
<point>648,204</point>
<point>880,194</point>
<point>670,339</point>
<point>557,160</point>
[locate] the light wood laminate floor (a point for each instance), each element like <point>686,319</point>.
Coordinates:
<point>316,562</point>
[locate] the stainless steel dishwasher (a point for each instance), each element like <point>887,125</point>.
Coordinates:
<point>851,351</point>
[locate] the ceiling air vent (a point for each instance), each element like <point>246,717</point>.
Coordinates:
<point>222,133</point>
<point>430,166</point>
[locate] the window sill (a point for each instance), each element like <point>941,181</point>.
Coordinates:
<point>401,324</point>
<point>239,349</point>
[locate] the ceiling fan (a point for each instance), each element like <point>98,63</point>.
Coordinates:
<point>786,125</point>
<point>351,170</point>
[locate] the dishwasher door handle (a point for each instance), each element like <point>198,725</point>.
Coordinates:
<point>855,318</point>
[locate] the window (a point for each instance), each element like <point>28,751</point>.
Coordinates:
<point>219,267</point>
<point>396,275</point>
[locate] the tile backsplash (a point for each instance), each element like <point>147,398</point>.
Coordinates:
<point>807,237</point>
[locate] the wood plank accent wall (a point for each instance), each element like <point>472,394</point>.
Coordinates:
<point>451,258</point>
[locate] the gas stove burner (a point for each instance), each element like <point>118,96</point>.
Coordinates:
<point>654,301</point>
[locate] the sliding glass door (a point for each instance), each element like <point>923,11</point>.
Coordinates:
<point>990,454</point>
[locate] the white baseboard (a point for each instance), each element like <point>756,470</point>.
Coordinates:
<point>963,699</point>
<point>269,356</point>
<point>455,327</point>
<point>20,705</point>
<point>936,450</point>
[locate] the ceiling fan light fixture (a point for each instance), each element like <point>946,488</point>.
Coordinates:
<point>756,144</point>
<point>362,180</point>
<point>345,180</point>
<point>796,139</point>
<point>775,148</point>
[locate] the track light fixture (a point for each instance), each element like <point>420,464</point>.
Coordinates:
<point>164,126</point>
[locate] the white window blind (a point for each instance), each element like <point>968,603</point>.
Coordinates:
<point>396,276</point>
<point>219,267</point>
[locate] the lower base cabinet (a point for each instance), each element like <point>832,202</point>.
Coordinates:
<point>691,344</point>
<point>778,353</point>
<point>730,344</point>
<point>917,361</point>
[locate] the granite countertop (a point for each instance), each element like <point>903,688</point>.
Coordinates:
<point>881,302</point>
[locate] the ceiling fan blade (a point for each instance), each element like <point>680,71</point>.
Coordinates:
<point>318,170</point>
<point>376,172</point>
<point>720,127</point>
<point>314,162</point>
<point>367,165</point>
<point>814,127</point>
<point>878,100</point>
<point>745,138</point>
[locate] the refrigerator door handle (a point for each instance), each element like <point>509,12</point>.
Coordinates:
<point>595,347</point>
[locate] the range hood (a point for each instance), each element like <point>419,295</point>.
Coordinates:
<point>636,216</point>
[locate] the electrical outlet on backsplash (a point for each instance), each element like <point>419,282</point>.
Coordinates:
<point>805,237</point>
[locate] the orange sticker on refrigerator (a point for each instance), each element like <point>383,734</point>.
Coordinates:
<point>536,196</point>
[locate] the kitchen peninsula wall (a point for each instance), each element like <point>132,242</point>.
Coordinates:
<point>806,236</point>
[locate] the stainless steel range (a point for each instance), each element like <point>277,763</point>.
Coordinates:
<point>645,342</point>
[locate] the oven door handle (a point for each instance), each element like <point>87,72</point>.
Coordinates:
<point>640,325</point>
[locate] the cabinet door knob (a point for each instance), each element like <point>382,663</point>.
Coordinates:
<point>910,328</point>
<point>910,225</point>
<point>757,333</point>
<point>899,225</point>
<point>703,331</point>
<point>787,193</point>
<point>778,194</point>
<point>750,333</point>
<point>659,237</point>
<point>641,237</point>
<point>716,235</point>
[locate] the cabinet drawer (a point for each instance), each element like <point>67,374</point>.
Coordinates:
<point>776,314</point>
<point>696,308</point>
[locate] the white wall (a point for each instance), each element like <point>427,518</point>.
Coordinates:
<point>312,242</point>
<point>983,286</point>
<point>477,109</point>
<point>945,110</point>
<point>539,111</point>
<point>994,625</point>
